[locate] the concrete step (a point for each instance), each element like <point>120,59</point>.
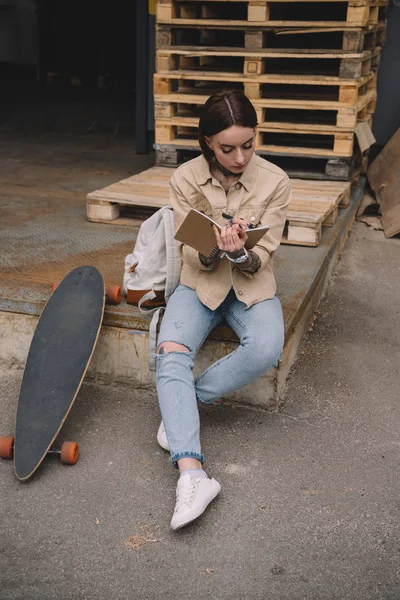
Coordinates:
<point>121,353</point>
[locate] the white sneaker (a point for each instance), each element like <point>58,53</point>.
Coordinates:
<point>193,495</point>
<point>162,437</point>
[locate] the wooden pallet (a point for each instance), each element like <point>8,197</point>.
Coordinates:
<point>308,111</point>
<point>286,138</point>
<point>239,61</point>
<point>307,40</point>
<point>306,87</point>
<point>333,40</point>
<point>130,201</point>
<point>278,13</point>
<point>296,166</point>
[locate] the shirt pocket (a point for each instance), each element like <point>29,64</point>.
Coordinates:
<point>201,204</point>
<point>252,214</point>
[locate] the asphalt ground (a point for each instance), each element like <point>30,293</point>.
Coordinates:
<point>309,508</point>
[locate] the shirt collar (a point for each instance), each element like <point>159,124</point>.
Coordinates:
<point>203,174</point>
<point>246,179</point>
<point>248,176</point>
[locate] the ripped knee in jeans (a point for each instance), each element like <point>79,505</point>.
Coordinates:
<point>166,347</point>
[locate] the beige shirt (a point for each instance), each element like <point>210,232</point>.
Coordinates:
<point>261,196</point>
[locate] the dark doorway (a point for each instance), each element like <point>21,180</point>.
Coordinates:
<point>80,76</point>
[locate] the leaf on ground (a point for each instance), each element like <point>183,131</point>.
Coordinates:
<point>139,540</point>
<point>207,570</point>
<point>372,221</point>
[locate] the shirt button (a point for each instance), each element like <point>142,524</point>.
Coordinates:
<point>237,186</point>
<point>240,293</point>
<point>252,219</point>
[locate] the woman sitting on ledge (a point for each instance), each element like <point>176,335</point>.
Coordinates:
<point>231,285</point>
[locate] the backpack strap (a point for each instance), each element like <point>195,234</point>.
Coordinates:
<point>149,296</point>
<point>172,281</point>
<point>173,258</point>
<point>153,338</point>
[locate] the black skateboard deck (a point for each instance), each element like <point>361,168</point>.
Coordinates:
<point>60,352</point>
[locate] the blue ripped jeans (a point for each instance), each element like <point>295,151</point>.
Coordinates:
<point>187,321</point>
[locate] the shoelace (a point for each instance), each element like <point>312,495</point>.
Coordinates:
<point>184,494</point>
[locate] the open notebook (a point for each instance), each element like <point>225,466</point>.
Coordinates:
<point>197,232</point>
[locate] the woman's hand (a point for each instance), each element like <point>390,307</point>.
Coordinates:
<point>232,238</point>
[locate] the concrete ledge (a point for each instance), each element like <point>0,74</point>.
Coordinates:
<point>121,352</point>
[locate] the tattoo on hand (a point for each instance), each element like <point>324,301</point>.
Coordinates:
<point>212,258</point>
<point>254,265</point>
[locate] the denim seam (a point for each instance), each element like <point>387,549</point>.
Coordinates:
<point>238,321</point>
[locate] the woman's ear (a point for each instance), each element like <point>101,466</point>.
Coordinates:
<point>208,141</point>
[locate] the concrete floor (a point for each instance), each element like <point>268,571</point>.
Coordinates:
<point>309,508</point>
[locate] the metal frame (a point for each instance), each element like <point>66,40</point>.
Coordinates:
<point>145,59</point>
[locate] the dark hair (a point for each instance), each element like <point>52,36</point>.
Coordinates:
<point>220,112</point>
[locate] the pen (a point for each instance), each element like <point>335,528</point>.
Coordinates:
<point>229,218</point>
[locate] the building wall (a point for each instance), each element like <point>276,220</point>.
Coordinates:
<point>18,32</point>
<point>387,115</point>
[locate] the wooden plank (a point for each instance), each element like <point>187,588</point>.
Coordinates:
<point>307,103</point>
<point>295,79</point>
<point>201,51</point>
<point>304,151</point>
<point>299,235</point>
<point>226,24</point>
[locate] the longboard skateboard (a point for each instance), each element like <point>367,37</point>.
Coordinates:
<point>59,356</point>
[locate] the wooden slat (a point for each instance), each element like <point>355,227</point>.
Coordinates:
<point>201,51</point>
<point>240,24</point>
<point>297,79</point>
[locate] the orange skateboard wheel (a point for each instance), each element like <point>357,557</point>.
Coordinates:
<point>54,286</point>
<point>113,294</point>
<point>69,453</point>
<point>7,447</point>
